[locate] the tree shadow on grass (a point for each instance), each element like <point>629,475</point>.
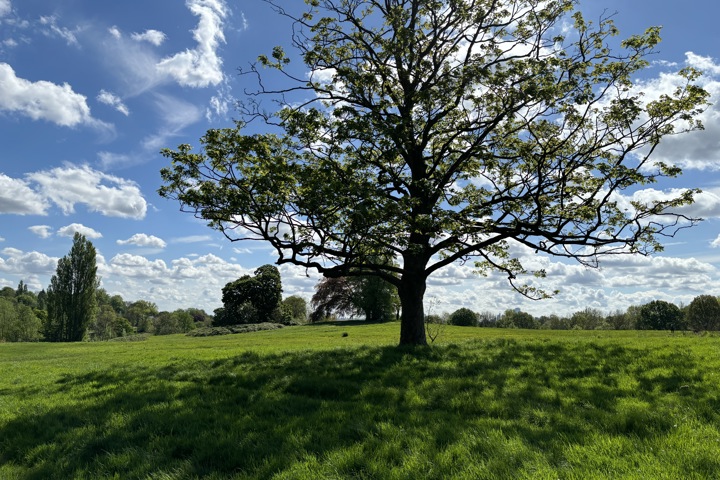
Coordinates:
<point>363,413</point>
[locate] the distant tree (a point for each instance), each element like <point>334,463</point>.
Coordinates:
<point>200,318</point>
<point>29,325</point>
<point>247,313</point>
<point>659,315</point>
<point>553,322</point>
<point>621,320</point>
<point>703,313</point>
<point>42,300</point>
<point>296,307</point>
<point>263,292</point>
<point>185,320</point>
<point>7,292</point>
<point>375,297</point>
<point>221,317</point>
<point>463,317</point>
<point>434,319</point>
<point>102,327</point>
<point>165,323</point>
<point>140,314</point>
<point>102,297</point>
<point>8,319</point>
<point>18,322</point>
<point>27,298</point>
<point>168,323</point>
<point>108,324</point>
<point>22,289</point>
<point>370,296</point>
<point>488,319</point>
<point>517,319</point>
<point>587,319</point>
<point>71,294</point>
<point>118,305</point>
<point>333,295</point>
<point>633,316</point>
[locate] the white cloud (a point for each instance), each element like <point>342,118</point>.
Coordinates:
<point>192,239</point>
<point>201,66</point>
<point>151,36</point>
<point>706,64</point>
<point>5,7</point>
<point>143,240</point>
<point>693,150</point>
<point>18,198</point>
<point>73,228</point>
<point>18,262</point>
<point>706,204</point>
<point>62,32</point>
<point>136,266</point>
<point>176,115</point>
<point>185,282</point>
<point>109,195</point>
<point>44,100</point>
<point>109,159</point>
<point>134,63</point>
<point>42,231</point>
<point>220,104</point>
<point>109,98</point>
<point>139,65</point>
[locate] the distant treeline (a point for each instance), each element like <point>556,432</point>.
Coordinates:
<point>702,314</point>
<point>23,317</point>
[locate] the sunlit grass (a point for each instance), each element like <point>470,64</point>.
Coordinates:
<point>308,402</point>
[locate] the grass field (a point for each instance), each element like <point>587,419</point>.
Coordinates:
<point>308,402</point>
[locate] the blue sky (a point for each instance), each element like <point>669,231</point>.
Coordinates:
<point>91,91</point>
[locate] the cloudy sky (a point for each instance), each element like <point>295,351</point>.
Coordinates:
<point>91,91</point>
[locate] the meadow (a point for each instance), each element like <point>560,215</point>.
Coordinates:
<point>342,401</point>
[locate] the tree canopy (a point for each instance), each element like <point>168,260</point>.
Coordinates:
<point>659,315</point>
<point>429,132</point>
<point>251,299</point>
<point>703,313</point>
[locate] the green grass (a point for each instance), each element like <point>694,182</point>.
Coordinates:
<point>308,402</point>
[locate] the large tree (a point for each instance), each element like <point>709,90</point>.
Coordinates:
<point>368,295</point>
<point>428,132</point>
<point>703,313</point>
<point>660,315</point>
<point>251,299</point>
<point>71,296</point>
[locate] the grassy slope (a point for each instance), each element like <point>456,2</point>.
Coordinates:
<point>306,402</point>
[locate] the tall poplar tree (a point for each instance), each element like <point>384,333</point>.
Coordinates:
<point>430,132</point>
<point>71,301</point>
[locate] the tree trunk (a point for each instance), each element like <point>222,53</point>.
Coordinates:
<point>412,320</point>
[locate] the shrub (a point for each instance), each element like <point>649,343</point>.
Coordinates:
<point>463,317</point>
<point>212,331</point>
